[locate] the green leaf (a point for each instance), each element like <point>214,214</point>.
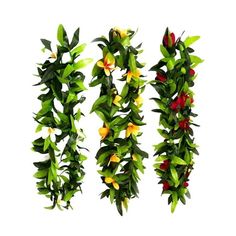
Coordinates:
<point>39,128</point>
<point>62,36</point>
<point>101,115</point>
<point>174,201</point>
<point>125,90</point>
<point>164,51</point>
<point>82,157</point>
<point>71,97</point>
<point>41,174</point>
<point>178,161</point>
<point>138,163</point>
<point>77,51</point>
<point>67,71</point>
<point>82,63</point>
<point>53,145</point>
<point>68,195</point>
<point>96,70</point>
<point>47,44</point>
<point>104,155</point>
<point>132,63</point>
<point>73,128</point>
<point>50,176</point>
<point>171,64</point>
<point>172,86</point>
<point>190,40</point>
<point>65,179</point>
<point>81,85</point>
<point>195,60</point>
<point>46,107</point>
<point>98,102</point>
<point>112,194</point>
<point>75,39</point>
<point>78,115</point>
<point>163,133</point>
<point>187,157</point>
<point>174,175</point>
<point>47,142</point>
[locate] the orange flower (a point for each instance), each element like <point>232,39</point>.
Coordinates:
<point>104,131</point>
<point>108,64</point>
<point>109,180</point>
<point>131,129</point>
<point>114,158</point>
<point>129,75</point>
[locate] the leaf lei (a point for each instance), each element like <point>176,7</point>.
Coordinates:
<point>60,174</point>
<point>119,156</point>
<point>174,78</point>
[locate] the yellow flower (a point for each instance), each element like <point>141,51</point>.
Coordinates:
<point>129,75</point>
<point>131,129</point>
<point>116,100</point>
<point>139,101</point>
<point>108,64</point>
<point>116,185</point>
<point>104,131</point>
<point>114,158</point>
<point>110,180</point>
<point>134,157</point>
<point>122,32</point>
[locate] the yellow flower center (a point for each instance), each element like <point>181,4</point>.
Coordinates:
<point>51,130</point>
<point>53,55</point>
<point>107,64</point>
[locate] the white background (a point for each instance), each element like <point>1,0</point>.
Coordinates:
<point>212,207</point>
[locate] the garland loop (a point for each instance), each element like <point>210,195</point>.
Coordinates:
<point>119,157</point>
<point>174,78</point>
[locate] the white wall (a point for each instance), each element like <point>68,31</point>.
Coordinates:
<point>212,207</point>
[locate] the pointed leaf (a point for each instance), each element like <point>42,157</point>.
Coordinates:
<point>190,40</point>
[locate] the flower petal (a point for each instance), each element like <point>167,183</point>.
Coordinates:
<point>100,64</point>
<point>116,185</point>
<point>107,72</point>
<point>53,137</point>
<point>109,180</point>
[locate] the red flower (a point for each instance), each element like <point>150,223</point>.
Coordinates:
<point>184,124</point>
<point>166,185</point>
<point>169,40</point>
<point>180,102</point>
<point>161,77</point>
<point>165,165</point>
<point>191,72</point>
<point>185,184</point>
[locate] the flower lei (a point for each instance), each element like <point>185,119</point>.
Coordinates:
<point>119,157</point>
<point>60,174</point>
<point>174,78</point>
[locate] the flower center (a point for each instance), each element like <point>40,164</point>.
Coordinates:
<point>51,130</point>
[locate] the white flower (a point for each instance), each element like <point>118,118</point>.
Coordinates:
<point>52,132</point>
